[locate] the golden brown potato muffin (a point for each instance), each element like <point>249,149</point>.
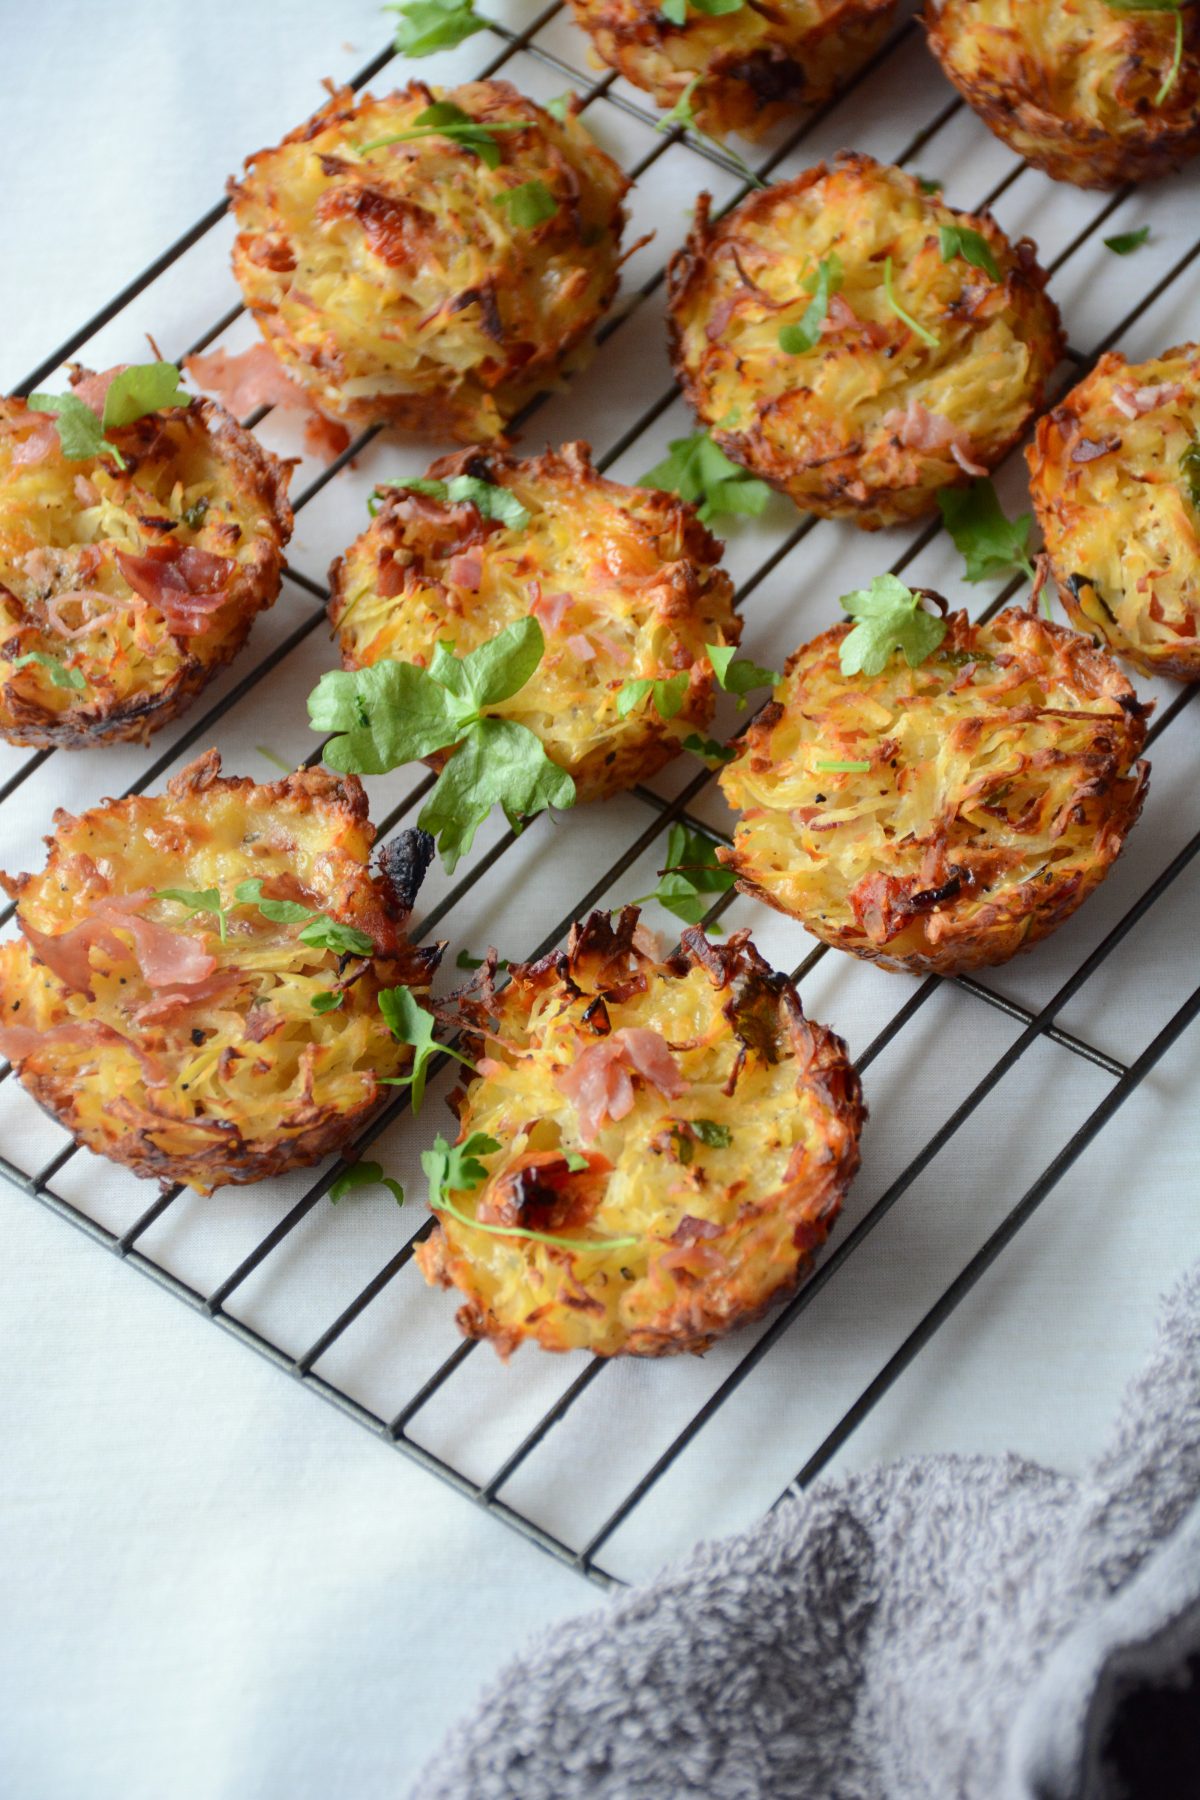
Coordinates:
<point>836,342</point>
<point>1116,483</point>
<point>1001,780</point>
<point>1091,93</point>
<point>131,586</point>
<point>753,65</point>
<point>206,1046</point>
<point>412,283</point>
<point>677,1129</point>
<point>624,581</point>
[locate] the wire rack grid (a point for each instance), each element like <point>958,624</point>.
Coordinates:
<point>332,1298</point>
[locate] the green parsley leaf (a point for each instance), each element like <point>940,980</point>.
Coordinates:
<point>676,10</point>
<point>699,471</point>
<point>576,1162</point>
<point>194,515</point>
<point>1167,6</point>
<point>930,184</point>
<point>207,900</point>
<point>428,25</point>
<point>490,502</point>
<point>709,748</point>
<point>736,674</point>
<point>410,1023</point>
<point>691,871</point>
<point>560,107</point>
<point>669,695</point>
<point>1126,242</point>
<point>498,763</point>
<point>1189,467</point>
<point>328,1001</point>
<point>324,933</point>
<point>992,544</point>
<point>464,960</point>
<point>445,119</point>
<point>140,389</point>
<point>528,205</point>
<point>682,116</point>
<point>971,246</point>
<point>890,618</point>
<point>843,768</point>
<point>283,912</point>
<point>717,1137</point>
<point>927,337</point>
<point>457,1166</point>
<point>80,432</point>
<point>60,675</point>
<point>796,339</point>
<point>389,713</point>
<point>365,1174</point>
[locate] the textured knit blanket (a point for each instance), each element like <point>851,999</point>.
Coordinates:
<point>949,1628</point>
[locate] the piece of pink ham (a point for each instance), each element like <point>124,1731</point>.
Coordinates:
<point>165,957</point>
<point>548,610</point>
<point>187,585</point>
<point>1133,402</point>
<point>255,378</point>
<point>19,1041</point>
<point>920,429</point>
<point>599,1083</point>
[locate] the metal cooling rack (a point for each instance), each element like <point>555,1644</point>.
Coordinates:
<point>542,44</point>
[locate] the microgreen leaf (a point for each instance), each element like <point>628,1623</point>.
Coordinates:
<point>410,1023</point>
<point>464,960</point>
<point>457,1166</point>
<point>283,912</point>
<point>60,675</point>
<point>500,668</point>
<point>682,116</point>
<point>445,119</point>
<point>140,389</point>
<point>822,285</point>
<point>890,618</point>
<point>971,246</point>
<point>207,900</point>
<point>365,1174</point>
<point>691,871</point>
<point>926,336</point>
<point>489,501</point>
<point>843,768</point>
<point>737,675</point>
<point>669,694</point>
<point>328,1001</point>
<point>389,713</point>
<point>709,748</point>
<point>194,515</point>
<point>498,763</point>
<point>577,1162</point>
<point>700,472</point>
<point>1126,242</point>
<point>1166,6</point>
<point>991,543</point>
<point>560,107</point>
<point>324,933</point>
<point>428,25</point>
<point>930,184</point>
<point>676,10</point>
<point>80,432</point>
<point>528,205</point>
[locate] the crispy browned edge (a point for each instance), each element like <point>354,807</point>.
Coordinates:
<point>254,588</point>
<point>615,961</point>
<point>846,494</point>
<point>744,93</point>
<point>1040,913</point>
<point>1052,445</point>
<point>598,776</point>
<point>1068,149</point>
<point>434,415</point>
<point>232,1159</point>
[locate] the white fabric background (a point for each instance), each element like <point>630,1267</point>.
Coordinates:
<point>210,1585</point>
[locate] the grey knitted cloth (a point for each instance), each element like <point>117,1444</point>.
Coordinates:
<point>950,1628</point>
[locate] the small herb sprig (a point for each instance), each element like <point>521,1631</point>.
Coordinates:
<point>528,205</point>
<point>457,1166</point>
<point>1159,6</point>
<point>991,543</point>
<point>736,675</point>
<point>682,117</point>
<point>822,284</point>
<point>424,26</point>
<point>410,1023</point>
<point>393,713</point>
<point>365,1174</point>
<point>971,246</point>
<point>1126,242</point>
<point>890,617</point>
<point>926,336</point>
<point>320,931</point>
<point>445,119</point>
<point>1189,468</point>
<point>677,10</point>
<point>140,389</point>
<point>692,872</point>
<point>689,1132</point>
<point>490,501</point>
<point>60,675</point>
<point>699,471</point>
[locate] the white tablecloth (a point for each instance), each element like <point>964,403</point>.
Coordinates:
<point>210,1584</point>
